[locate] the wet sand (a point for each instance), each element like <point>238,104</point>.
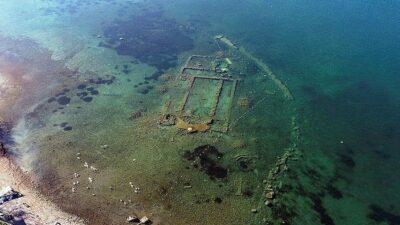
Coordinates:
<point>32,208</point>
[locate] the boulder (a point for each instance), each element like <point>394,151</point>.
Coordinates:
<point>8,194</point>
<point>132,219</point>
<point>268,203</point>
<point>270,195</point>
<point>145,220</point>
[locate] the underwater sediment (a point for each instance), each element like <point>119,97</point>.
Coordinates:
<point>193,113</point>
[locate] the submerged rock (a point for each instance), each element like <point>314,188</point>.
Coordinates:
<point>145,220</point>
<point>132,219</point>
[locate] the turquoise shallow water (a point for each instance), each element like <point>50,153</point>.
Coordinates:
<point>339,59</point>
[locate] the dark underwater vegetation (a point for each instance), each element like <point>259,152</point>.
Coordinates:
<point>206,112</point>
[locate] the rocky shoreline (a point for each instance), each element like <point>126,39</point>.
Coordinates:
<point>32,208</point>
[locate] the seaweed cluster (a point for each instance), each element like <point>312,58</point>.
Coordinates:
<point>84,93</point>
<point>150,37</point>
<point>61,97</point>
<point>208,157</point>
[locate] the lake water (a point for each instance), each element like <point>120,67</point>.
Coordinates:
<point>206,112</point>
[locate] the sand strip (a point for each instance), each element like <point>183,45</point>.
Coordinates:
<point>32,208</point>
